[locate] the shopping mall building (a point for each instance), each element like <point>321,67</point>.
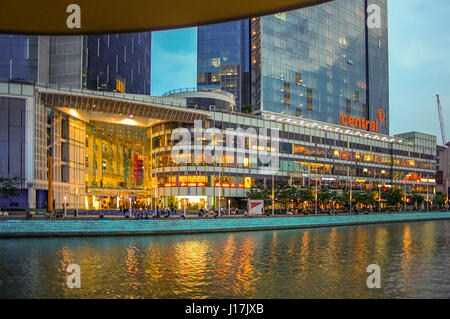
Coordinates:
<point>107,149</point>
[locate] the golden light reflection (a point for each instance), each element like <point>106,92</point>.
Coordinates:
<point>191,261</point>
<point>244,270</point>
<point>360,252</point>
<point>428,240</point>
<point>381,245</point>
<point>407,241</point>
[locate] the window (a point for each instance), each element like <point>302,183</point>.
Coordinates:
<point>356,96</point>
<point>287,93</point>
<point>298,79</point>
<point>309,99</point>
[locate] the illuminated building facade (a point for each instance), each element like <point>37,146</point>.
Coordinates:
<point>223,59</point>
<point>112,148</point>
<point>317,63</point>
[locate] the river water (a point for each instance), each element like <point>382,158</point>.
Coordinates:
<point>414,259</point>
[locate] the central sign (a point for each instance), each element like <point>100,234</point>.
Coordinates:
<point>362,123</point>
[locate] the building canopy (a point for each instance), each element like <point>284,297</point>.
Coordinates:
<point>113,16</point>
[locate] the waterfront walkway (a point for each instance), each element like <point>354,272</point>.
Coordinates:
<point>113,227</point>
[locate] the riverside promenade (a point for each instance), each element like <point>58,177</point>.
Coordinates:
<point>13,228</point>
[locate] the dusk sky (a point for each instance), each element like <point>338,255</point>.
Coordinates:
<point>419,62</point>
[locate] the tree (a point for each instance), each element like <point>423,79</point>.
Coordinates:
<point>344,198</point>
<point>304,195</point>
<point>324,196</point>
<point>440,200</point>
<point>286,195</point>
<point>416,199</point>
<point>392,196</point>
<point>260,193</point>
<point>246,109</point>
<point>9,186</point>
<point>364,198</point>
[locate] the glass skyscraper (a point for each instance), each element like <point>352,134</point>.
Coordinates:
<point>223,59</point>
<point>118,62</point>
<point>18,57</point>
<point>317,63</point>
<point>109,62</point>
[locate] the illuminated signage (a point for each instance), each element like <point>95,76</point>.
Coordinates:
<point>232,185</point>
<point>247,182</point>
<point>362,123</point>
<point>120,86</point>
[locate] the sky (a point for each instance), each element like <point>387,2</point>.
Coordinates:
<point>419,64</point>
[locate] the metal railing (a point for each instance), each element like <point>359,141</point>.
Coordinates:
<point>27,88</point>
<point>197,89</point>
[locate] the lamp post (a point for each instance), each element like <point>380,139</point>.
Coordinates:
<point>379,192</point>
<point>446,190</point>
<point>428,197</point>
<point>273,195</point>
<point>229,207</point>
<point>406,196</point>
<point>316,199</point>
<point>65,205</point>
<point>220,182</point>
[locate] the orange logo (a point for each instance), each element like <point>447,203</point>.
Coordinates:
<point>381,116</point>
<point>362,123</point>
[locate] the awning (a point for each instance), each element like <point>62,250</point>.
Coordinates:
<point>113,16</point>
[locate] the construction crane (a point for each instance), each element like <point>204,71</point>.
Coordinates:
<point>441,118</point>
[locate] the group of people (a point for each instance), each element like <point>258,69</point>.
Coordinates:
<point>52,215</point>
<point>205,212</point>
<point>150,214</point>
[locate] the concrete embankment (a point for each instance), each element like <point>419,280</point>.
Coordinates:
<point>58,228</point>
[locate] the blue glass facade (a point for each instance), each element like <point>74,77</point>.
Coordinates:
<point>18,57</point>
<point>109,62</point>
<point>317,63</point>
<point>223,59</point>
<point>321,62</point>
<point>118,62</point>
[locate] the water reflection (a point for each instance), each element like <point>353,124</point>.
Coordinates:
<point>314,263</point>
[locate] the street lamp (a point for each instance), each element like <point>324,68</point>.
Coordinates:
<point>316,199</point>
<point>65,205</point>
<point>273,195</point>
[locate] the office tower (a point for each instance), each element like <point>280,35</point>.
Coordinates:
<point>223,59</point>
<point>109,62</point>
<point>317,63</point>
<point>18,57</point>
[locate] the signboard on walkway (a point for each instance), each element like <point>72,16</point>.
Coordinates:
<point>256,207</point>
